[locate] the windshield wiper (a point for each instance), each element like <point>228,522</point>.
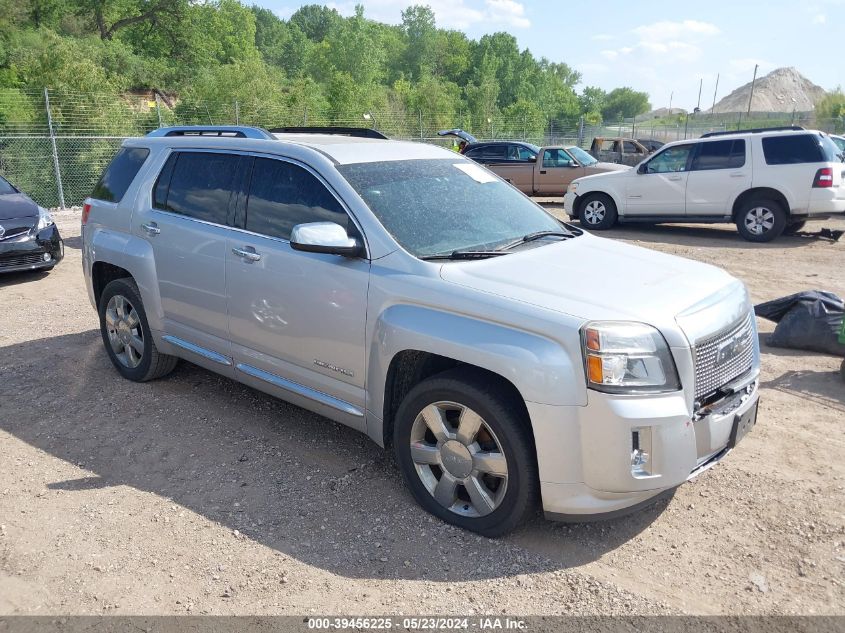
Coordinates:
<point>538,235</point>
<point>464,254</point>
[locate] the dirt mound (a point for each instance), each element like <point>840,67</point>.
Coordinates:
<point>782,90</point>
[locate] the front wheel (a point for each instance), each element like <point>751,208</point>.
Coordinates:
<point>465,452</point>
<point>761,220</point>
<point>597,212</point>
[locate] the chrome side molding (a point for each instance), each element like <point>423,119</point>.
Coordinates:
<point>200,351</point>
<point>300,390</point>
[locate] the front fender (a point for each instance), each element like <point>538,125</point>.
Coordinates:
<point>541,369</point>
<point>135,255</point>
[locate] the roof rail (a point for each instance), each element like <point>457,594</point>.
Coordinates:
<point>230,131</point>
<point>757,130</point>
<point>358,132</point>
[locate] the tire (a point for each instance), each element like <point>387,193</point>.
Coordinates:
<point>842,370</point>
<point>124,321</point>
<point>597,212</point>
<point>472,497</point>
<point>761,220</point>
<point>793,227</point>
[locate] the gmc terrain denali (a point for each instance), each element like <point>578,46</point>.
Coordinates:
<point>411,294</point>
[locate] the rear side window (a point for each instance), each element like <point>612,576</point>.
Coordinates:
<point>200,185</point>
<point>488,152</point>
<point>719,155</point>
<point>120,173</point>
<point>282,195</point>
<point>793,149</point>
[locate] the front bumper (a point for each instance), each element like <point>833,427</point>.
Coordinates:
<point>595,477</point>
<point>32,251</point>
<point>569,204</point>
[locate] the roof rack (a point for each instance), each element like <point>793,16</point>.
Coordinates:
<point>785,128</point>
<point>230,131</point>
<point>358,132</point>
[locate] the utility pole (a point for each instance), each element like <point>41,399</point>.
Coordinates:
<point>671,95</point>
<point>714,94</point>
<point>700,86</point>
<point>751,96</point>
<point>58,171</point>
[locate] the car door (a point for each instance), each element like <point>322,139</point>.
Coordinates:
<point>556,170</point>
<point>719,172</point>
<point>512,163</point>
<point>186,227</point>
<point>659,186</point>
<point>296,320</point>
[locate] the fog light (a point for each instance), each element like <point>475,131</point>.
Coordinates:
<point>641,452</point>
<point>46,257</point>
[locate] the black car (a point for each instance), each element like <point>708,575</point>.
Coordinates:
<point>29,239</point>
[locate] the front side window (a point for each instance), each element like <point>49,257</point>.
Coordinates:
<point>793,149</point>
<point>200,185</point>
<point>670,160</point>
<point>283,195</point>
<point>729,154</point>
<point>556,157</point>
<point>525,155</point>
<point>120,173</point>
<point>437,206</point>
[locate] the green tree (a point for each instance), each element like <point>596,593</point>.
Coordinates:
<point>592,100</point>
<point>315,21</point>
<point>832,106</point>
<point>624,103</point>
<point>421,37</point>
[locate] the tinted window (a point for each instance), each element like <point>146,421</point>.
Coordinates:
<point>163,183</point>
<point>671,159</point>
<point>5,187</point>
<point>792,149</point>
<point>283,195</point>
<point>201,186</point>
<point>720,155</point>
<point>120,173</point>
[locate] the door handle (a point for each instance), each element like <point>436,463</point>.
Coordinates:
<point>250,256</point>
<point>543,171</point>
<point>675,178</point>
<point>151,228</point>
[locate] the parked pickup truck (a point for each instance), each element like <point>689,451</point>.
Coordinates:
<point>536,170</point>
<point>407,292</point>
<point>625,151</point>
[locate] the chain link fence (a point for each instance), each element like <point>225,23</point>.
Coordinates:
<point>55,145</point>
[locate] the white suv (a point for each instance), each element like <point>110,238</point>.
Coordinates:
<point>766,181</point>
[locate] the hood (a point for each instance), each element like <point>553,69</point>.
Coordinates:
<point>465,136</point>
<point>606,167</point>
<point>17,205</point>
<point>599,279</point>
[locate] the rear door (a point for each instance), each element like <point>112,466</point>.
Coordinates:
<point>186,226</point>
<point>720,171</point>
<point>661,189</point>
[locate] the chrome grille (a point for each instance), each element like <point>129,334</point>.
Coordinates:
<point>723,357</point>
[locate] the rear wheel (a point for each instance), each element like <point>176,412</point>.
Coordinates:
<point>597,212</point>
<point>761,220</point>
<point>465,452</point>
<point>126,334</point>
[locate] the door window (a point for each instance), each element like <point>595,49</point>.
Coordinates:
<point>793,149</point>
<point>200,185</point>
<point>729,154</point>
<point>670,160</point>
<point>631,148</point>
<point>556,158</point>
<point>522,154</point>
<point>282,195</point>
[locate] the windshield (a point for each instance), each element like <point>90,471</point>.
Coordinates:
<point>581,156</point>
<point>5,187</point>
<point>434,207</point>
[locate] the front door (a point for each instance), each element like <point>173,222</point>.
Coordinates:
<point>719,173</point>
<point>556,170</point>
<point>296,320</point>
<point>186,227</point>
<point>661,189</point>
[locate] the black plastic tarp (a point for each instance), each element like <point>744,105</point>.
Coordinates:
<point>809,320</point>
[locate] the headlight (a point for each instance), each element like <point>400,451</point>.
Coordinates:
<point>573,187</point>
<point>44,219</point>
<point>623,357</point>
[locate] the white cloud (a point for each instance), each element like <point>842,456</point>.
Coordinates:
<point>666,30</point>
<point>819,18</point>
<point>507,11</point>
<point>451,14</point>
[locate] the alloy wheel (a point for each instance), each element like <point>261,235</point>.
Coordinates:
<point>594,212</point>
<point>459,459</point>
<point>126,336</point>
<point>759,220</point>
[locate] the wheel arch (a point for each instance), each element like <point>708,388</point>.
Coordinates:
<point>579,201</point>
<point>761,192</point>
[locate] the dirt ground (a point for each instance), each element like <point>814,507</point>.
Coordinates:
<point>194,494</point>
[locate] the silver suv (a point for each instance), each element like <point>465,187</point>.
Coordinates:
<point>411,294</point>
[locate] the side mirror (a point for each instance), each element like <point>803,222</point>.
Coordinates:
<point>572,163</point>
<point>324,237</point>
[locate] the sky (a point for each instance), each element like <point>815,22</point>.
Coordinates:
<point>662,48</point>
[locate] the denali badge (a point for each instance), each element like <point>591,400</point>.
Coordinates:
<point>733,347</point>
<point>340,370</point>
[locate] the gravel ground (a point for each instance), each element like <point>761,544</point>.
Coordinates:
<point>194,494</point>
